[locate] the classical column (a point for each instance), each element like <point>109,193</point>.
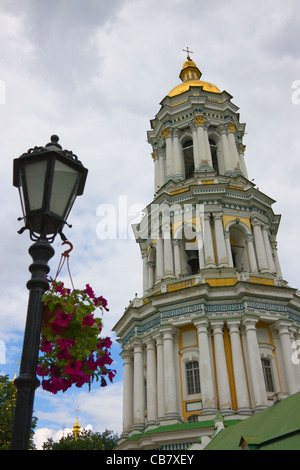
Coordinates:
<point>240,379</point>
<point>127,391</point>
<point>235,160</point>
<point>151,383</point>
<point>200,245</point>
<point>159,258</point>
<point>156,171</point>
<point>251,253</point>
<point>205,369</point>
<point>161,166</point>
<point>177,155</point>
<point>257,377</point>
<point>145,270</point>
<point>276,258</point>
<point>225,149</point>
<point>220,241</point>
<point>241,149</point>
<point>138,387</point>
<point>287,351</point>
<point>196,149</point>
<point>151,267</point>
<point>206,140</point>
<point>166,134</point>
<point>221,369</point>
<point>177,260</point>
<point>268,249</point>
<point>208,243</point>
<point>168,252</point>
<point>171,411</point>
<point>160,377</point>
<point>260,246</point>
<point>228,248</point>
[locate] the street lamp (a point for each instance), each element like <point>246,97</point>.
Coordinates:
<point>49,179</point>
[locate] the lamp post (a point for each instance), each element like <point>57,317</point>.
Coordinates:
<point>49,179</point>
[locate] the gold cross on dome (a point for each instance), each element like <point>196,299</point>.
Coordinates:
<point>188,52</point>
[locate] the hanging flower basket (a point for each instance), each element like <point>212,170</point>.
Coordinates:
<point>72,351</point>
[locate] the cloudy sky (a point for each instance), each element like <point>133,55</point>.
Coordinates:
<point>94,72</point>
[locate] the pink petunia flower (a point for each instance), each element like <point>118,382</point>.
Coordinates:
<point>63,319</point>
<point>46,346</point>
<point>88,320</point>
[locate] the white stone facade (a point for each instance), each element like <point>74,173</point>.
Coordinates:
<point>215,329</point>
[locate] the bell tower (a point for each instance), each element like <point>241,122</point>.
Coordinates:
<point>213,331</point>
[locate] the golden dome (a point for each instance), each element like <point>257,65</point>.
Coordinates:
<point>190,76</point>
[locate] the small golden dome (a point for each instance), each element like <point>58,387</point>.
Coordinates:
<point>76,428</point>
<point>190,76</point>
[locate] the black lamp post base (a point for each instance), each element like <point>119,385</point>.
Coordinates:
<point>41,252</point>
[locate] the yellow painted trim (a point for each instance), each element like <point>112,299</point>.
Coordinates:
<point>215,368</point>
<point>235,187</point>
<point>185,413</point>
<point>229,362</point>
<point>179,191</point>
<point>208,182</point>
<point>221,282</point>
<point>259,280</point>
<point>229,218</point>
<point>181,285</point>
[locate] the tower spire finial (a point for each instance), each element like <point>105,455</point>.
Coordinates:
<point>188,53</point>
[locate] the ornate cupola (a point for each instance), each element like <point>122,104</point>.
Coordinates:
<point>212,332</point>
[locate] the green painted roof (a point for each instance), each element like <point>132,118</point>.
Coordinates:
<point>173,428</point>
<point>275,428</point>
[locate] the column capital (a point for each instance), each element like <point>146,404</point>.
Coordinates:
<point>282,326</point>
<point>158,338</point>
<point>201,325</point>
<point>127,356</point>
<point>161,152</point>
<point>166,132</point>
<point>217,215</point>
<point>217,326</point>
<point>234,325</point>
<point>150,343</point>
<point>222,129</point>
<point>249,237</point>
<point>231,127</point>
<point>137,345</point>
<point>199,120</point>
<point>256,221</point>
<point>176,133</point>
<point>249,322</point>
<point>207,216</point>
<point>168,331</point>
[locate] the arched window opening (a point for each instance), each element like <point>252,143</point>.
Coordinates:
<point>268,376</point>
<point>190,255</point>
<point>193,261</point>
<point>214,157</point>
<point>188,159</point>
<point>192,377</point>
<point>238,249</point>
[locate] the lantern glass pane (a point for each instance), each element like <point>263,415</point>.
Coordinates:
<point>65,182</point>
<point>35,174</point>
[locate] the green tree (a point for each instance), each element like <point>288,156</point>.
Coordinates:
<point>7,410</point>
<point>86,440</point>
